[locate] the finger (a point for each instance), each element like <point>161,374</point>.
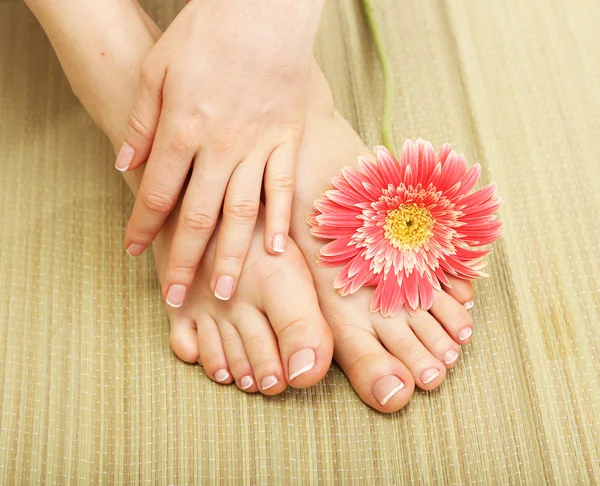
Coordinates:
<point>144,117</point>
<point>280,177</point>
<point>240,209</point>
<point>162,182</point>
<point>197,221</point>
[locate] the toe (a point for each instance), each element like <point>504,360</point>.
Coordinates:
<point>305,340</point>
<point>435,338</point>
<point>453,316</point>
<point>397,336</point>
<point>260,346</point>
<point>212,353</point>
<point>184,339</point>
<point>380,379</point>
<point>236,357</point>
<point>461,290</point>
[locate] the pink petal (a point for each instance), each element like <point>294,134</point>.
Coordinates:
<point>444,152</point>
<point>389,167</point>
<point>425,294</point>
<point>372,170</point>
<point>410,285</point>
<point>427,161</point>
<point>452,170</point>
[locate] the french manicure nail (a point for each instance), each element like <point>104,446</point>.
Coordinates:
<point>465,333</point>
<point>429,375</point>
<point>224,287</point>
<point>301,362</point>
<point>246,382</point>
<point>268,382</point>
<point>278,243</point>
<point>135,250</point>
<point>221,375</point>
<point>125,157</point>
<point>450,357</point>
<point>469,305</point>
<point>176,295</point>
<point>386,388</point>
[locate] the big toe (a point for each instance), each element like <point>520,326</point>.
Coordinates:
<point>184,338</point>
<point>305,340</point>
<point>381,380</point>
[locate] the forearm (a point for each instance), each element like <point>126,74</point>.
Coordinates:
<point>101,46</point>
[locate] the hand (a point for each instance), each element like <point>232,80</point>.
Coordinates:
<point>223,93</point>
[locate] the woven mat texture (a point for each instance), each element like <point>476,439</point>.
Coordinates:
<point>89,388</point>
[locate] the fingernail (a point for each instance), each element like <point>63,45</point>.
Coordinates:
<point>278,243</point>
<point>301,362</point>
<point>469,305</point>
<point>176,295</point>
<point>135,250</point>
<point>386,388</point>
<point>429,375</point>
<point>450,357</point>
<point>268,382</point>
<point>125,157</point>
<point>246,382</point>
<point>224,287</point>
<point>465,333</point>
<point>221,375</point>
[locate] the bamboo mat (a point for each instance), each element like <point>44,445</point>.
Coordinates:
<point>89,389</point>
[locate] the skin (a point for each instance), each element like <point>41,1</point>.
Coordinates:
<point>384,358</point>
<point>221,106</point>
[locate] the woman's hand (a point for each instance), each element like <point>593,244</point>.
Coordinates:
<point>223,93</point>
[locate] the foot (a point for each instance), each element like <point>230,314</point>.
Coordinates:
<point>271,333</point>
<point>383,357</point>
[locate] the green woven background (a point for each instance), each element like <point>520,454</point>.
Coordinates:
<point>89,389</point>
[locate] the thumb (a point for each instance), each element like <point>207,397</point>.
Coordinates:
<point>143,119</point>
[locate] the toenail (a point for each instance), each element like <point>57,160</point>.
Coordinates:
<point>176,295</point>
<point>450,357</point>
<point>386,388</point>
<point>469,305</point>
<point>125,157</point>
<point>301,362</point>
<point>224,287</point>
<point>465,334</point>
<point>268,382</point>
<point>135,250</point>
<point>221,375</point>
<point>278,243</point>
<point>246,382</point>
<point>429,375</point>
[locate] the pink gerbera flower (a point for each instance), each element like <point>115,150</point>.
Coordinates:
<point>404,226</point>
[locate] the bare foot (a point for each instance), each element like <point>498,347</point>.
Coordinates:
<point>383,357</point>
<point>271,333</point>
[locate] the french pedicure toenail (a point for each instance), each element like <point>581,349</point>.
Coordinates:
<point>176,295</point>
<point>386,388</point>
<point>224,287</point>
<point>268,382</point>
<point>221,375</point>
<point>135,250</point>
<point>125,157</point>
<point>469,305</point>
<point>450,357</point>
<point>301,362</point>
<point>278,243</point>
<point>246,382</point>
<point>465,333</point>
<point>429,375</point>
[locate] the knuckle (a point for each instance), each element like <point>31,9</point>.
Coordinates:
<point>280,184</point>
<point>242,208</point>
<point>158,202</point>
<point>136,125</point>
<point>198,221</point>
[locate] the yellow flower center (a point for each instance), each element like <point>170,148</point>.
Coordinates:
<point>409,227</point>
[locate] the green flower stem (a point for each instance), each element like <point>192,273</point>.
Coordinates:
<point>388,77</point>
